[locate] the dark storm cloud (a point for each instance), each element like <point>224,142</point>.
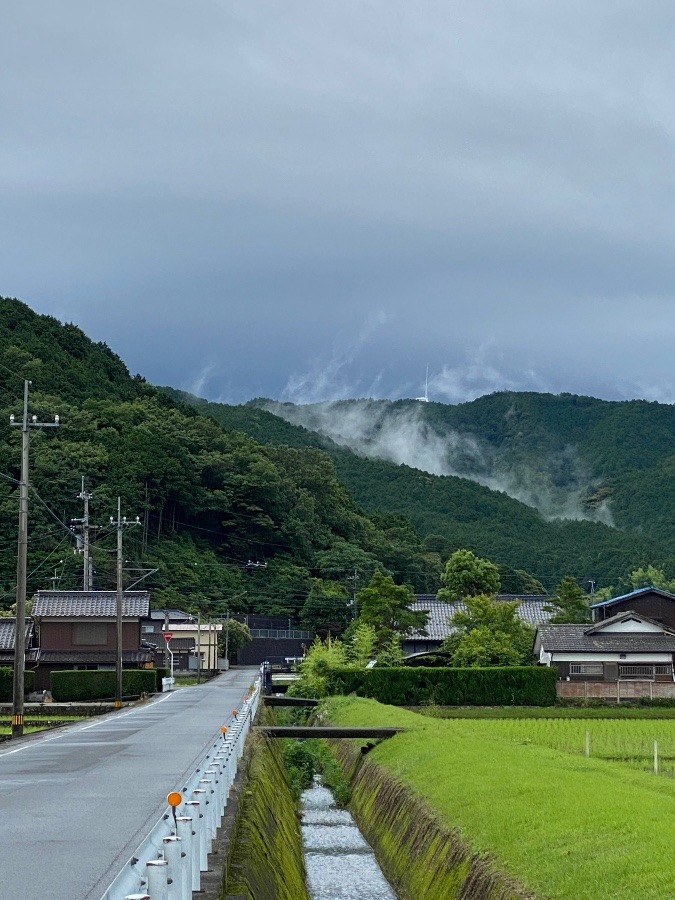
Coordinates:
<point>315,200</point>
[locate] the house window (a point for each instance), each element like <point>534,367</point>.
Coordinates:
<point>90,633</point>
<point>147,629</point>
<point>586,669</point>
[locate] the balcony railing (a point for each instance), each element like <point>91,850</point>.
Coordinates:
<point>649,672</point>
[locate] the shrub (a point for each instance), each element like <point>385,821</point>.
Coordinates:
<point>100,684</point>
<point>7,683</point>
<point>507,686</point>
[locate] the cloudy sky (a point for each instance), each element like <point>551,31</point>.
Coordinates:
<point>308,200</point>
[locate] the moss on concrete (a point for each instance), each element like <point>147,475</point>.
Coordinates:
<point>420,855</point>
<point>265,861</point>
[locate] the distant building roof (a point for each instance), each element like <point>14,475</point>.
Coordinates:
<point>175,615</point>
<point>632,595</point>
<point>97,604</point>
<point>7,633</point>
<point>531,610</point>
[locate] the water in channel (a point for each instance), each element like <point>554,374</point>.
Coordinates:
<point>340,863</point>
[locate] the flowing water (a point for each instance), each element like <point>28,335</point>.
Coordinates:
<point>340,863</point>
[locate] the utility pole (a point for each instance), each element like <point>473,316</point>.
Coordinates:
<point>122,523</point>
<point>86,575</point>
<point>21,563</point>
<point>199,648</point>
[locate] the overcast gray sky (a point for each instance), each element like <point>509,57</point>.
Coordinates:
<point>309,200</point>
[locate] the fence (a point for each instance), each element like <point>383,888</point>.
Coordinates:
<point>617,690</point>
<point>169,862</point>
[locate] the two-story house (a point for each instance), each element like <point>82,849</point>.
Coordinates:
<point>77,630</point>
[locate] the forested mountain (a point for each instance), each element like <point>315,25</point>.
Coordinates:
<point>225,520</point>
<point>534,445</point>
<point>243,508</point>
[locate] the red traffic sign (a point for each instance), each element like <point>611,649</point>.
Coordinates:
<point>168,635</point>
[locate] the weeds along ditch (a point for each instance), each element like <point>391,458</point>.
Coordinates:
<point>304,759</point>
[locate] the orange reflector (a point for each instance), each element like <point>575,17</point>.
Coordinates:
<point>223,729</point>
<point>235,712</point>
<point>175,798</point>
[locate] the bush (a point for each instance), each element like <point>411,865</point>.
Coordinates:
<point>100,684</point>
<point>7,683</point>
<point>507,686</point>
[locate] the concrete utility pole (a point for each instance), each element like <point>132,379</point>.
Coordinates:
<point>21,563</point>
<point>122,523</point>
<point>86,575</point>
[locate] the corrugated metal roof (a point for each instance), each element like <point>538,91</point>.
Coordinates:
<point>636,593</point>
<point>530,610</point>
<point>99,604</point>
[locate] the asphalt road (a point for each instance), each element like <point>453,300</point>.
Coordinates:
<point>76,802</point>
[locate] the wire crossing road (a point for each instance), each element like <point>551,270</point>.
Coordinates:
<point>75,803</point>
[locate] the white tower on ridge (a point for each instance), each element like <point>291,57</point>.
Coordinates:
<point>425,399</point>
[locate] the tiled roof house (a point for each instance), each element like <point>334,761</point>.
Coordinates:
<point>530,610</point>
<point>77,630</point>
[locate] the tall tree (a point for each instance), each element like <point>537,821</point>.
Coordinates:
<point>387,606</point>
<point>489,629</point>
<point>468,575</point>
<point>568,604</point>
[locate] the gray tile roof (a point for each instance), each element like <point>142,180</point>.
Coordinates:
<point>587,639</point>
<point>93,657</point>
<point>7,630</point>
<point>79,604</point>
<point>530,610</point>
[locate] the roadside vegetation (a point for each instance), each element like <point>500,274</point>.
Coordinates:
<point>561,824</point>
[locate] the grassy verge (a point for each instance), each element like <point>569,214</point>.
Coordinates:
<point>563,825</point>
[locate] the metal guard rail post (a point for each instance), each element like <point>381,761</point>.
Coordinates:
<point>141,876</point>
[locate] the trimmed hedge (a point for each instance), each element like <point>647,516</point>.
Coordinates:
<point>7,683</point>
<point>505,686</point>
<point>160,673</point>
<point>91,684</point>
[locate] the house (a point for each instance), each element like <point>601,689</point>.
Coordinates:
<point>186,637</point>
<point>648,601</point>
<point>626,647</point>
<point>8,639</point>
<point>530,610</point>
<point>77,630</point>
<point>153,627</point>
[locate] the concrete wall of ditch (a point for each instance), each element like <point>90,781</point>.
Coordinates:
<point>265,857</point>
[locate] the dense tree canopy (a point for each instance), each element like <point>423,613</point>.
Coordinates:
<point>468,575</point>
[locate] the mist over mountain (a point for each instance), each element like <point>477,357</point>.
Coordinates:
<point>553,477</point>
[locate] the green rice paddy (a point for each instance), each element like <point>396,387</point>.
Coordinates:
<point>521,790</point>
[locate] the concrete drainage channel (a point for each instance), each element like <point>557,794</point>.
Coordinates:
<point>170,862</point>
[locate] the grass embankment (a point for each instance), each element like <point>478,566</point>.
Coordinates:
<point>39,723</point>
<point>563,825</point>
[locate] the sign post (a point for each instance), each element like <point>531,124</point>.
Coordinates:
<point>167,637</point>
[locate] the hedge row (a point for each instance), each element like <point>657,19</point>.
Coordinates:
<point>513,686</point>
<point>7,683</point>
<point>91,684</point>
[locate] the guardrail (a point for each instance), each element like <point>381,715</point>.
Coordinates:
<point>169,862</point>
